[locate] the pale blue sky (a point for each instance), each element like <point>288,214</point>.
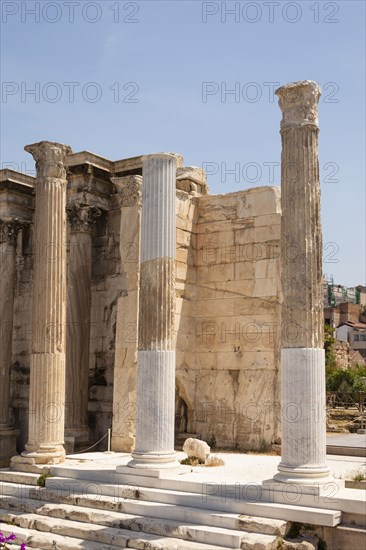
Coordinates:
<point>149,61</point>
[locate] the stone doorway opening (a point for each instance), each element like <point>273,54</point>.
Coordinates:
<point>183,417</point>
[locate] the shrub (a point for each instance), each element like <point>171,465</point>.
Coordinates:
<point>191,461</point>
<point>330,360</point>
<point>352,379</point>
<point>41,481</point>
<point>358,475</point>
<point>214,461</point>
<point>210,461</point>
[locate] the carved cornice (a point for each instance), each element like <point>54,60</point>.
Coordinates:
<point>128,190</point>
<point>82,218</point>
<point>299,104</point>
<point>9,230</point>
<point>50,159</point>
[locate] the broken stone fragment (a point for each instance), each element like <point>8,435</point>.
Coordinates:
<point>196,448</point>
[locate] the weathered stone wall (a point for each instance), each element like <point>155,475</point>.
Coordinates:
<point>341,353</point>
<point>345,357</point>
<point>228,340</point>
<point>185,319</point>
<point>22,332</point>
<point>108,284</point>
<point>355,358</point>
<point>227,317</point>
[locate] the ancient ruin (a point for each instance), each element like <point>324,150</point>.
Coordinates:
<point>302,355</point>
<point>156,339</point>
<point>134,301</point>
<point>47,351</point>
<point>227,305</point>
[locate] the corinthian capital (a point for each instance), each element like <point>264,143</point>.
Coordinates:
<point>9,230</point>
<point>129,190</point>
<point>82,218</point>
<point>50,158</point>
<point>298,102</point>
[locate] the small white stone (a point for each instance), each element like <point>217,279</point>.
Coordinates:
<point>197,448</point>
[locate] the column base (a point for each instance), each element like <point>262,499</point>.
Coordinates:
<point>303,417</point>
<point>154,460</point>
<point>39,459</point>
<point>8,440</point>
<point>303,476</point>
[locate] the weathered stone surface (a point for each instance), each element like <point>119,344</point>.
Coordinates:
<point>196,448</point>
<point>124,381</point>
<point>156,345</point>
<point>192,173</point>
<point>9,230</point>
<point>157,304</point>
<point>302,354</point>
<point>262,525</point>
<point>301,238</point>
<point>81,220</point>
<point>226,273</point>
<point>47,384</point>
<point>300,544</point>
<point>231,321</point>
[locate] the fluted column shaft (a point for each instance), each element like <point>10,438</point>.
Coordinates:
<point>156,340</point>
<point>47,368</point>
<point>8,236</point>
<point>302,354</point>
<point>79,270</point>
<point>128,197</point>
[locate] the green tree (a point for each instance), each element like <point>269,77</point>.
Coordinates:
<point>330,360</point>
<point>350,380</point>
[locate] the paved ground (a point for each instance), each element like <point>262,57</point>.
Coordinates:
<point>243,468</point>
<point>347,440</point>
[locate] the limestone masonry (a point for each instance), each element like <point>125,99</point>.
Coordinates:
<point>138,306</point>
<point>227,304</point>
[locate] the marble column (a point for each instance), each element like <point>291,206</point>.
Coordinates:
<point>47,363</point>
<point>156,339</point>
<point>303,413</point>
<point>128,197</point>
<point>9,230</point>
<point>81,219</point>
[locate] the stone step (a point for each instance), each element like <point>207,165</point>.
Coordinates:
<point>35,526</point>
<point>333,496</point>
<point>49,541</point>
<point>289,512</point>
<point>11,476</point>
<point>77,518</point>
<point>145,509</point>
<point>15,489</point>
<point>168,522</point>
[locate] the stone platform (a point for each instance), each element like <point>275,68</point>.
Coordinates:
<point>86,504</point>
<point>346,444</point>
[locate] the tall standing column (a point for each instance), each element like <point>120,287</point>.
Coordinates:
<point>47,363</point>
<point>9,230</point>
<point>156,339</point>
<point>82,219</point>
<point>124,377</point>
<point>302,355</point>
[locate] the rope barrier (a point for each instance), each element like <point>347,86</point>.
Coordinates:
<point>101,439</point>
